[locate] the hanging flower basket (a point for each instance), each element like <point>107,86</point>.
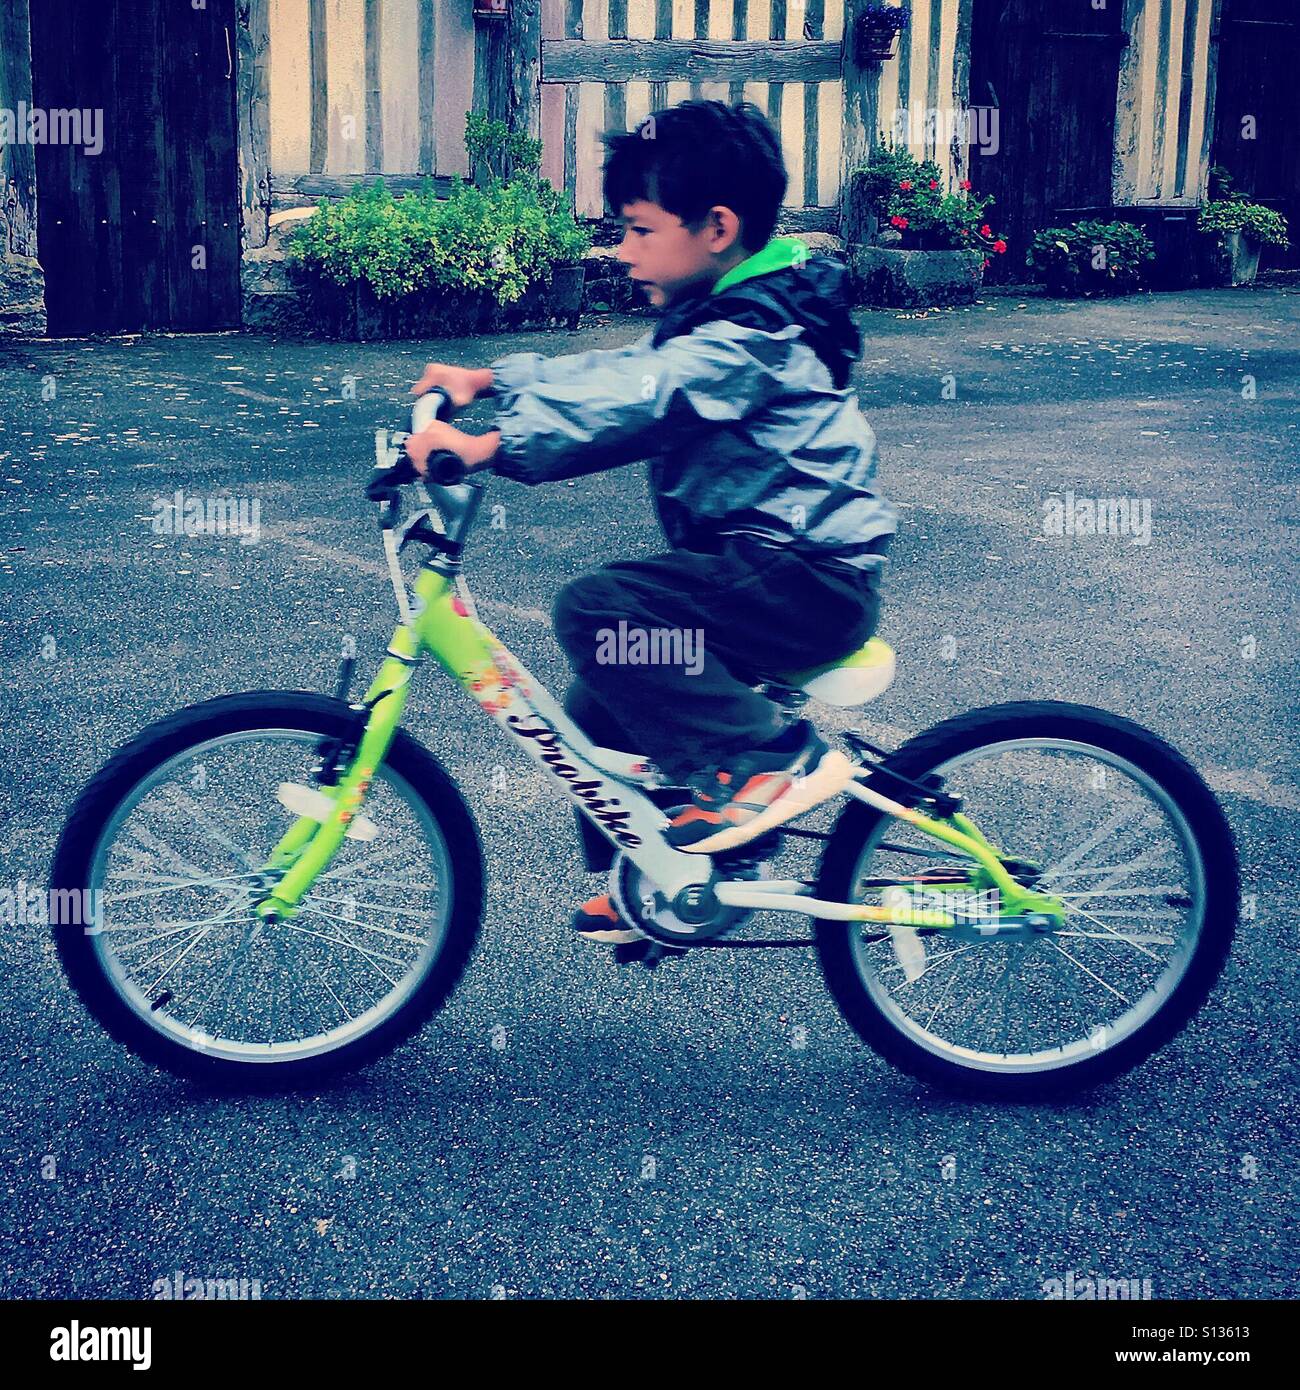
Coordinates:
<point>879,26</point>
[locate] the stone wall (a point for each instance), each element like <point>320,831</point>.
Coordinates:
<point>22,297</point>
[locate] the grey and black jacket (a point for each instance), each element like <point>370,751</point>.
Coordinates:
<point>739,398</point>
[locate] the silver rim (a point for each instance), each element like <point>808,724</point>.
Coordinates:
<point>1117,851</point>
<point>176,937</point>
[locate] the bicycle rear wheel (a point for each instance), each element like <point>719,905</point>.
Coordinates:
<point>1105,816</point>
<point>164,846</point>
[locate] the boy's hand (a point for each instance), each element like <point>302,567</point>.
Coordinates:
<point>474,449</point>
<point>462,384</point>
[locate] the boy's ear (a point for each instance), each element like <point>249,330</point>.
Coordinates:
<point>724,228</point>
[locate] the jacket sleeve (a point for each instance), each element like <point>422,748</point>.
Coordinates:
<point>566,416</point>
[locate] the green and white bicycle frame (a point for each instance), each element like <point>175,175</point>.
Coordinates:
<point>609,787</point>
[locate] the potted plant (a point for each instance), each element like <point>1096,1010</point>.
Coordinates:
<point>1239,231</point>
<point>869,189</point>
<point>933,244</point>
<point>927,218</point>
<point>1090,258</point>
<point>879,25</point>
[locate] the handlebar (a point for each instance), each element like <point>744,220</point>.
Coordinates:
<point>430,408</point>
<point>443,468</point>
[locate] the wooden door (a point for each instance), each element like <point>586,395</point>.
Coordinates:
<point>1052,72</point>
<point>144,234</point>
<point>1255,108</point>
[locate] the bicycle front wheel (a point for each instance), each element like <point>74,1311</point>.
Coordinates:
<point>161,855</point>
<point>1087,807</point>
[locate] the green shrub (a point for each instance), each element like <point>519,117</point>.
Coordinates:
<point>492,140</point>
<point>497,240</point>
<point>1237,215</point>
<point>1091,257</point>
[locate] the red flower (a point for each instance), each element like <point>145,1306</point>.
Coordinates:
<point>999,246</point>
<point>934,183</point>
<point>965,183</point>
<point>987,262</point>
<point>986,230</point>
<point>899,222</point>
<point>905,185</point>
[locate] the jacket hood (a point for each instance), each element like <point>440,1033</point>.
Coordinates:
<point>780,285</point>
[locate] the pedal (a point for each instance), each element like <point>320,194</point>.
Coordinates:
<point>644,952</point>
<point>737,862</point>
<point>307,801</point>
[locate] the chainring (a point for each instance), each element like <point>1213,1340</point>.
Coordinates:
<point>638,901</point>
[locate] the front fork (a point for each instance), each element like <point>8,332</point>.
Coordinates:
<point>307,847</point>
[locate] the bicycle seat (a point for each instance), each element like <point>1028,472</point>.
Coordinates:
<point>852,680</point>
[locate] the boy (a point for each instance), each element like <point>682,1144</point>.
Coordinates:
<point>761,472</point>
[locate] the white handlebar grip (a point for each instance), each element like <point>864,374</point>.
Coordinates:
<point>427,409</point>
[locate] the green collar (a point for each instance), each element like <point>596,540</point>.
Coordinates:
<point>780,253</point>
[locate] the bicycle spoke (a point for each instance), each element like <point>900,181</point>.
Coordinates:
<point>177,874</point>
<point>324,982</point>
<point>1091,973</point>
<point>1106,830</point>
<point>371,956</point>
<point>168,885</point>
<point>374,907</point>
<point>943,998</point>
<point>339,877</point>
<point>1129,937</point>
<point>1012,969</point>
<point>1118,936</point>
<point>1107,851</point>
<point>163,935</point>
<point>200,817</point>
<point>340,921</point>
<point>930,963</point>
<point>251,932</point>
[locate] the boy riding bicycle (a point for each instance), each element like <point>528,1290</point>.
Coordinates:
<point>761,470</point>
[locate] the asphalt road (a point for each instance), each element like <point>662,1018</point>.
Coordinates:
<point>788,1160</point>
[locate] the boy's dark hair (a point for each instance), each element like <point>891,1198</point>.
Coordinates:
<point>698,155</point>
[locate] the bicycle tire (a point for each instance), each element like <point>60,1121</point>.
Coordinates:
<point>253,711</point>
<point>858,823</point>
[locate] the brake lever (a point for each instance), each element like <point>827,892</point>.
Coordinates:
<point>384,482</point>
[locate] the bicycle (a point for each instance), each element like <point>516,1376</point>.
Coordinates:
<point>316,946</point>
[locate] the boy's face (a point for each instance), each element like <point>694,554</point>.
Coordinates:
<point>662,253</point>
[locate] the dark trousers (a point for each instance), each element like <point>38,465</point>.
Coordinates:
<point>666,651</point>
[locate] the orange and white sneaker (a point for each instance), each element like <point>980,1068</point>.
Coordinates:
<point>755,791</point>
<point>599,920</point>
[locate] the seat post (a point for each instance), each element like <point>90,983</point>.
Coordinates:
<point>789,700</point>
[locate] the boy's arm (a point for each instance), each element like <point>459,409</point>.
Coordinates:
<point>521,367</point>
<point>465,384</point>
<point>567,416</point>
